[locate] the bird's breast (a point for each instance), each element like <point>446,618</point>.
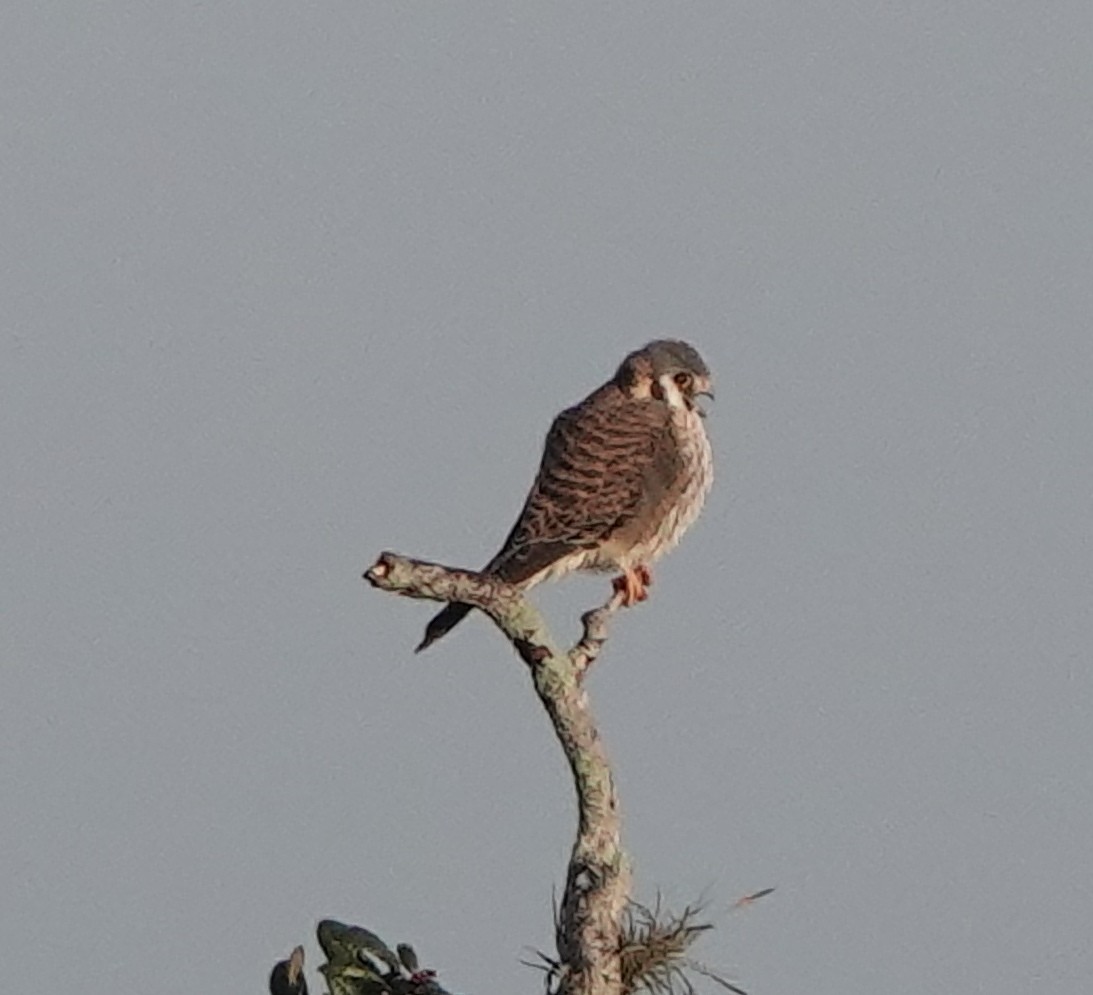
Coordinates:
<point>689,494</point>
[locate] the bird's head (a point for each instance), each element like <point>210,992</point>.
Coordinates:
<point>667,370</point>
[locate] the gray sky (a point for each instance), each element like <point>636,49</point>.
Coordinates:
<point>288,283</point>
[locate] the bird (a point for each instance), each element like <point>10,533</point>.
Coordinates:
<point>623,475</point>
<point>287,977</point>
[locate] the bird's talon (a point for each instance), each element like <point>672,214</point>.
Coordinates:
<point>631,585</point>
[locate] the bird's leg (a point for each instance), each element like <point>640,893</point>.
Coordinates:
<point>632,584</point>
<point>622,586</point>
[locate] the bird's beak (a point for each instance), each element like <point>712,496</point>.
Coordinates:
<point>703,393</point>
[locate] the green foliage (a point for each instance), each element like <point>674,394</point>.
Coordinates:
<point>360,963</point>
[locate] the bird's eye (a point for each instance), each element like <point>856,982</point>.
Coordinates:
<point>684,381</point>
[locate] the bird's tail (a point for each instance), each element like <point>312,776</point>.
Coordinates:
<point>443,622</point>
<point>513,565</point>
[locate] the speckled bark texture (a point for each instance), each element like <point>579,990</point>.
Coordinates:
<point>598,878</point>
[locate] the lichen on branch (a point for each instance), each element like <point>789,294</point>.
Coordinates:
<point>597,889</point>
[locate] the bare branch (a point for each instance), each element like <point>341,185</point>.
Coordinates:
<point>598,878</point>
<point>584,654</point>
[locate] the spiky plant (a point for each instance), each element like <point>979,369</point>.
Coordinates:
<point>653,948</point>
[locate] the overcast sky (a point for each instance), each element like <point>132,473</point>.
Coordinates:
<point>285,284</point>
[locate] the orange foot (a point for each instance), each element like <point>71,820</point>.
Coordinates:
<point>633,585</point>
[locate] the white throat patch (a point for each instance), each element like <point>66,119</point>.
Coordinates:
<point>672,394</point>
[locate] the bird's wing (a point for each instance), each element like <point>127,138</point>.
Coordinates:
<point>606,461</point>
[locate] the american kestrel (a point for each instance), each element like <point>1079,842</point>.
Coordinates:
<point>624,474</point>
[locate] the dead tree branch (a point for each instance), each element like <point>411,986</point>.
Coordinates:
<point>597,890</point>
